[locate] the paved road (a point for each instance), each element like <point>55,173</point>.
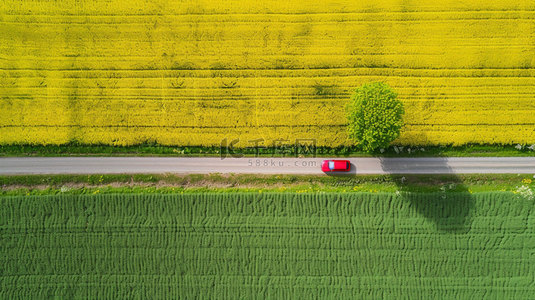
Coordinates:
<point>205,165</point>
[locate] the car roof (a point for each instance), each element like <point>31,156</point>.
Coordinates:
<point>340,163</point>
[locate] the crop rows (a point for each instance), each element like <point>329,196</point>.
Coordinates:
<point>290,246</point>
<point>195,72</point>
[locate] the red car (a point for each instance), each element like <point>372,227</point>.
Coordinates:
<point>335,166</point>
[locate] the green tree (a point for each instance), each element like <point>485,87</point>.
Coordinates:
<point>375,116</point>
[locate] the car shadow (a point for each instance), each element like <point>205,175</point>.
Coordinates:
<point>449,203</point>
<point>352,171</point>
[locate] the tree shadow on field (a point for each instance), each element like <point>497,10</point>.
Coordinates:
<point>436,192</point>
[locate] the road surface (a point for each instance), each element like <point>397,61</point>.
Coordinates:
<point>206,165</point>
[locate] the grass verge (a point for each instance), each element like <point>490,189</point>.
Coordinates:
<point>171,183</point>
<point>159,150</point>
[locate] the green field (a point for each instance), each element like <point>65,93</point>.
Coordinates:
<point>268,245</point>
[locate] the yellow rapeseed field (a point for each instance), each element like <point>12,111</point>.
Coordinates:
<point>193,72</point>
